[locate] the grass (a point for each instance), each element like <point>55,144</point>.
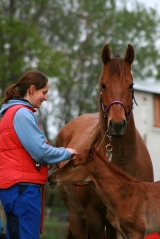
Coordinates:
<point>54,229</point>
<point>55,225</point>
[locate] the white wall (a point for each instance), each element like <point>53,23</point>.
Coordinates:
<point>144,120</point>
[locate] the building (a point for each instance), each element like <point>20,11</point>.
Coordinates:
<point>147,118</point>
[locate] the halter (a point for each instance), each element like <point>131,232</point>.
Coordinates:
<point>106,109</point>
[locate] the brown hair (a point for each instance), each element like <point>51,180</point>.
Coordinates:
<point>19,89</point>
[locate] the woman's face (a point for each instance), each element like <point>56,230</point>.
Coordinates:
<point>36,97</point>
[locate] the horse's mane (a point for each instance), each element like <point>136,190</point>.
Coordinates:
<point>119,171</point>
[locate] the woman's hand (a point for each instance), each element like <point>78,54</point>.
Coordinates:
<point>73,153</point>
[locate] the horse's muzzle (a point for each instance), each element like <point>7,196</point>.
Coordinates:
<point>117,129</point>
<point>52,182</point>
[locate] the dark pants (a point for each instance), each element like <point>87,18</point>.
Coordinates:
<point>22,205</point>
<point>3,236</point>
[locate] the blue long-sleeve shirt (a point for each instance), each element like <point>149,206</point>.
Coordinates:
<point>32,138</point>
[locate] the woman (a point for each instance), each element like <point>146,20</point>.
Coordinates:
<point>24,155</point>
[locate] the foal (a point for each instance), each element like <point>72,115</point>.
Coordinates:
<point>133,206</point>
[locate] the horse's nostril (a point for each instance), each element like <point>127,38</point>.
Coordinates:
<point>124,125</point>
<point>111,125</point>
<point>50,177</point>
<point>117,128</point>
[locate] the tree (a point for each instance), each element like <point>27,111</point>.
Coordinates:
<point>82,28</point>
<point>64,39</point>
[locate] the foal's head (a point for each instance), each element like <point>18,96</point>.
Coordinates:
<point>116,90</point>
<point>81,169</point>
<point>75,171</point>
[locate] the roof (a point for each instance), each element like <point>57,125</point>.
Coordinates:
<point>147,86</point>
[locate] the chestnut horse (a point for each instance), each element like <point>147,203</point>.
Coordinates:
<point>133,206</point>
<point>113,132</point>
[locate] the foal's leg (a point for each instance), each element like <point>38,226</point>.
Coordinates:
<point>111,232</point>
<point>95,212</point>
<point>69,234</point>
<point>95,223</point>
<point>77,226</point>
<point>119,236</point>
<point>77,219</point>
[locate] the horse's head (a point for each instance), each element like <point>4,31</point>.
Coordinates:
<point>75,171</point>
<point>116,90</point>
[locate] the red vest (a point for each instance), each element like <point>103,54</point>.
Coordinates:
<point>16,165</point>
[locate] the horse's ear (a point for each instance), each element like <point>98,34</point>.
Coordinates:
<point>129,57</point>
<point>81,158</point>
<point>106,54</point>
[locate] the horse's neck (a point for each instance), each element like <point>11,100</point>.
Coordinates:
<point>108,182</point>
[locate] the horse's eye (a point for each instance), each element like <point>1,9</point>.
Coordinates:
<point>103,86</point>
<point>91,152</point>
<point>131,87</point>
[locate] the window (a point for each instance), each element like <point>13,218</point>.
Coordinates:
<point>157,110</point>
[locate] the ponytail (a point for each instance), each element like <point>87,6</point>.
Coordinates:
<point>12,91</point>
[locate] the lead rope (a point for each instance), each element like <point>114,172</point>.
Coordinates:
<point>43,205</point>
<point>38,168</point>
<point>42,210</point>
<point>102,139</point>
<point>109,147</point>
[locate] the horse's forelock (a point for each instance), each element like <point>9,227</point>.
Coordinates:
<point>117,66</point>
